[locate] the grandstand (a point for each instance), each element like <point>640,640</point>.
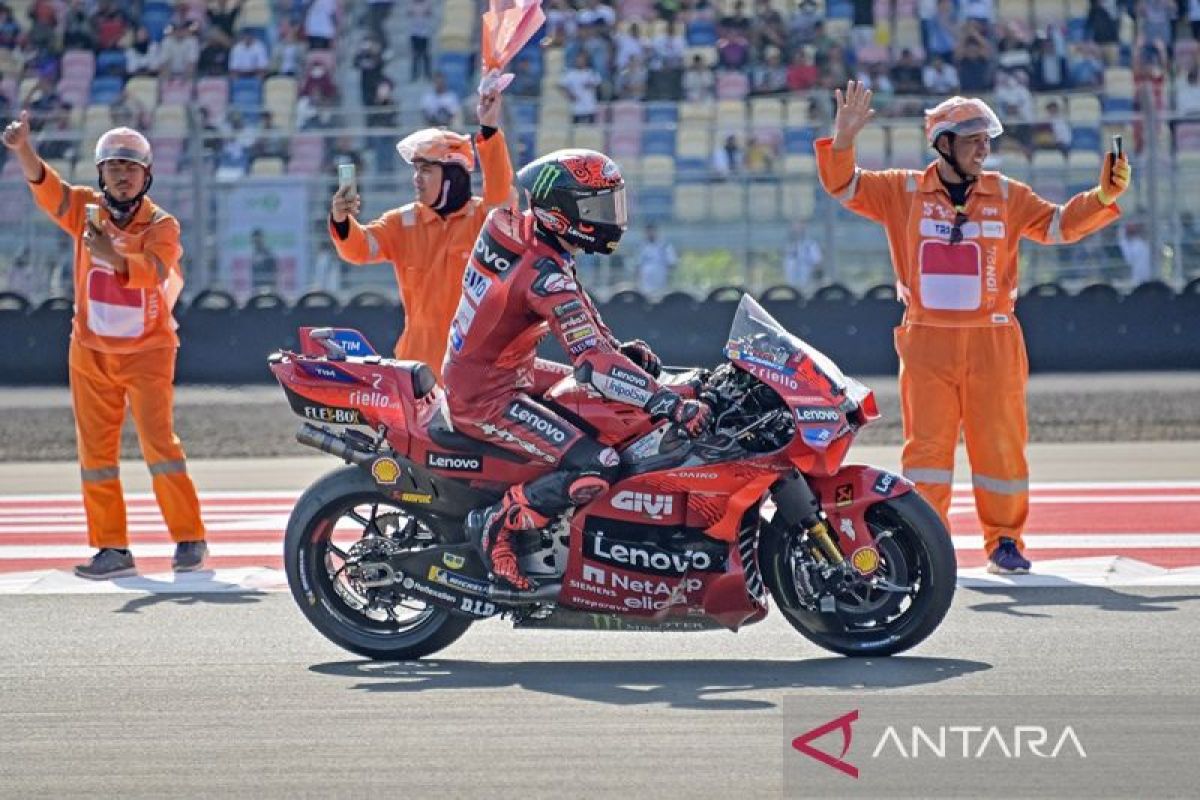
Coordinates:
<point>710,107</point>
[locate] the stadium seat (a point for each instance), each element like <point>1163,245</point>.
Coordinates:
<point>267,165</point>
<point>766,113</point>
<point>97,118</point>
<point>691,202</point>
<point>658,142</point>
<point>143,89</point>
<point>590,137</point>
<point>732,85</point>
<point>168,153</point>
<point>1084,164</point>
<point>246,94</point>
<point>175,91</point>
<point>255,14</point>
<point>553,138</point>
<point>798,200</point>
<point>79,64</point>
<point>701,33</point>
<point>307,155</point>
<point>155,18</point>
<point>764,201</point>
<point>693,141</point>
<point>662,114</point>
<point>106,89</point>
<point>170,119</point>
<point>803,165</point>
<point>908,147</point>
<point>1082,108</point>
<point>727,202</point>
<point>654,203</point>
<point>698,113</point>
<point>870,147</point>
<point>1085,137</point>
<point>658,170</point>
<point>73,91</point>
<point>213,94</point>
<point>111,62</point>
<point>691,168</point>
<point>279,98</point>
<point>456,67</point>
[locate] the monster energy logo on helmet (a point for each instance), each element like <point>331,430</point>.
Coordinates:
<point>545,181</point>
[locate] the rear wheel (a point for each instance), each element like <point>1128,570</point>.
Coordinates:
<point>341,522</point>
<point>890,611</point>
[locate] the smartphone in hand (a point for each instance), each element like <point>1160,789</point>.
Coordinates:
<point>347,177</point>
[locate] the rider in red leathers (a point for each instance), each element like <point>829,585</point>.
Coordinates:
<point>520,284</point>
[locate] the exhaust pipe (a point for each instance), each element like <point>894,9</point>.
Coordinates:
<point>322,439</point>
<point>541,594</point>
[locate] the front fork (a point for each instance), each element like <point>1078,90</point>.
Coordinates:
<point>794,499</point>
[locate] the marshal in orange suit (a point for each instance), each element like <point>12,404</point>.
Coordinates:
<point>123,341</point>
<point>429,241</point>
<point>954,231</point>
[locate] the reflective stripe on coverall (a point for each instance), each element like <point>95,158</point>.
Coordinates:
<point>962,356</point>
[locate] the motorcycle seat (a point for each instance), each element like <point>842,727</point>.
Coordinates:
<point>443,434</point>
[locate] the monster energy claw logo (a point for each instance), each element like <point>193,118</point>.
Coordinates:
<point>545,180</point>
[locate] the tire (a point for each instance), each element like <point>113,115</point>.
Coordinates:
<point>332,612</point>
<point>878,624</point>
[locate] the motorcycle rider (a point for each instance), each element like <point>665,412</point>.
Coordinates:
<point>520,283</point>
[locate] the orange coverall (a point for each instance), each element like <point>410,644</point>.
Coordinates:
<point>429,254</point>
<point>123,347</point>
<point>962,355</point>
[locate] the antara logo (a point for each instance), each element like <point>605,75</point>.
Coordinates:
<point>655,506</point>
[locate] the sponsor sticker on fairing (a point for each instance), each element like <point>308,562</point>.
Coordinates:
<point>453,461</point>
<point>545,428</point>
<point>810,414</point>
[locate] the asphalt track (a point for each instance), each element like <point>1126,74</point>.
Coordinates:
<point>214,686</point>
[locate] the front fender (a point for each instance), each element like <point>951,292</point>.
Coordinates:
<point>846,495</point>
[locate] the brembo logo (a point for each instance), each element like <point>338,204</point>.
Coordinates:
<point>655,506</point>
<point>454,462</point>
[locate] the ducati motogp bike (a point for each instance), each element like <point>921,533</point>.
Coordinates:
<point>695,534</point>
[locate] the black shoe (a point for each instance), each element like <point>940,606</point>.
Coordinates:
<point>189,556</point>
<point>108,563</point>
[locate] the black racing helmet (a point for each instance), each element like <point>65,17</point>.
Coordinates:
<point>578,195</point>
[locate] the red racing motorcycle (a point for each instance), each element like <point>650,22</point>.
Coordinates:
<point>696,534</point>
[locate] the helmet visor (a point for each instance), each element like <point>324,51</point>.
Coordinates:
<point>605,208</point>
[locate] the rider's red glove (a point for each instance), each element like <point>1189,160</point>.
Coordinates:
<point>640,353</point>
<point>692,416</point>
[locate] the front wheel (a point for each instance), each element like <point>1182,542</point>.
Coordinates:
<point>340,522</point>
<point>890,611</point>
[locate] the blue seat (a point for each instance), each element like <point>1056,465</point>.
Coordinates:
<point>1085,137</point>
<point>1116,104</point>
<point>655,203</point>
<point>701,33</point>
<point>246,94</point>
<point>799,140</point>
<point>106,89</point>
<point>662,113</point>
<point>457,69</point>
<point>156,17</point>
<point>690,170</point>
<point>658,143</point>
<point>110,62</point>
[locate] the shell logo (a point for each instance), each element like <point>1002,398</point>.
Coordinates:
<point>865,560</point>
<point>385,470</point>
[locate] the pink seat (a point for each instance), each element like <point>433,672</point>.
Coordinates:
<point>75,91</point>
<point>168,151</point>
<point>308,153</point>
<point>175,92</point>
<point>1187,136</point>
<point>623,144</point>
<point>732,85</point>
<point>213,94</point>
<point>80,64</point>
